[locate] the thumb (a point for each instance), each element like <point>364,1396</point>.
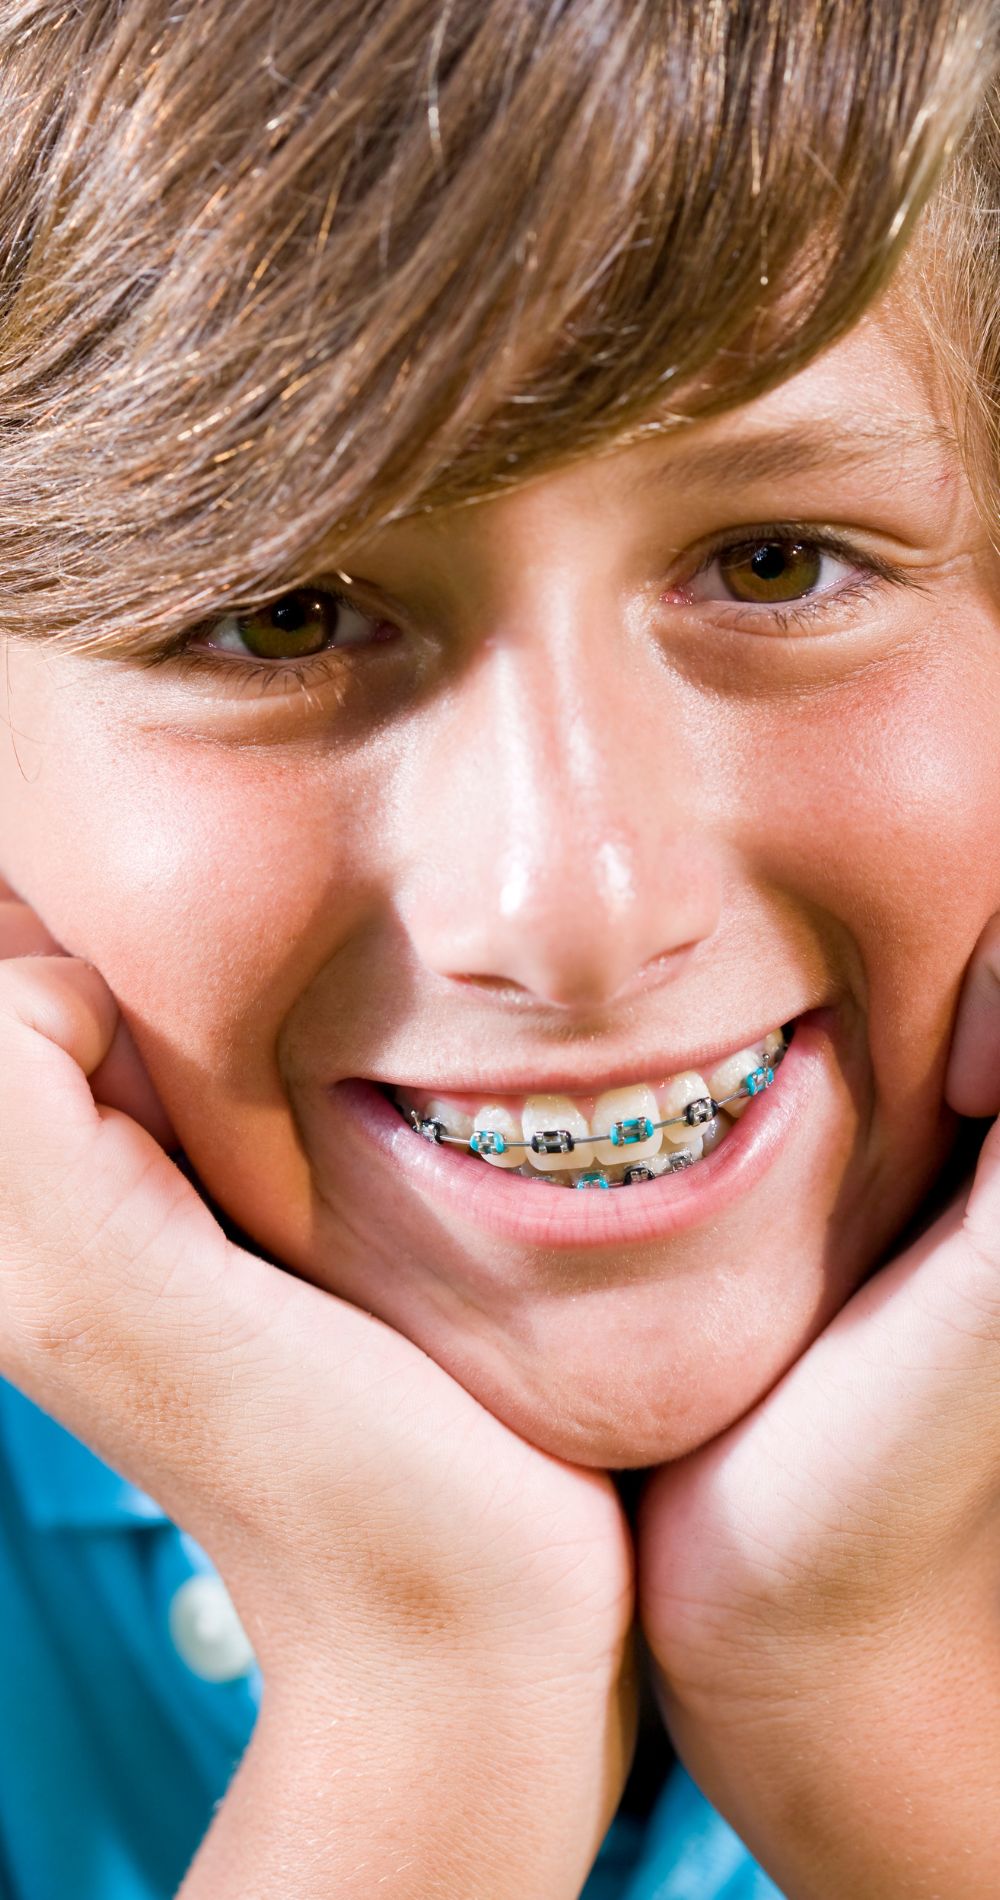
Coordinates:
<point>121,1081</point>
<point>972,1085</point>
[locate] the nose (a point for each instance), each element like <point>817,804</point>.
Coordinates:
<point>555,844</point>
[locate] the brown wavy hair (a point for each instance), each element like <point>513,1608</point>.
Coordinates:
<point>274,274</point>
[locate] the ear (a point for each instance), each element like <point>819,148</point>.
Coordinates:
<point>973,1081</point>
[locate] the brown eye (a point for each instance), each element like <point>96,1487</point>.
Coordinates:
<point>769,572</point>
<point>299,625</point>
<point>292,628</point>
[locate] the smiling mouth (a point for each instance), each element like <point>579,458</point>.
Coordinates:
<point>621,1138</point>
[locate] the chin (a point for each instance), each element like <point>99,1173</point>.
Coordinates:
<point>633,1375</point>
<point>612,1330</point>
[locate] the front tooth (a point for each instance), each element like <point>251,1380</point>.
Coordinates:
<point>503,1123</point>
<point>623,1105</point>
<point>731,1075</point>
<point>542,1112</point>
<point>674,1097</point>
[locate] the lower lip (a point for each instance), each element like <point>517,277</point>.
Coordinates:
<point>515,1210</point>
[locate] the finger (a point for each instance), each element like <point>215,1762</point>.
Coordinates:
<point>122,1305</point>
<point>22,933</point>
<point>184,1361</point>
<point>972,1085</point>
<point>70,1168</point>
<point>981,1221</point>
<point>121,1081</point>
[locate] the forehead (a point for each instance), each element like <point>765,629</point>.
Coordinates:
<point>874,407</point>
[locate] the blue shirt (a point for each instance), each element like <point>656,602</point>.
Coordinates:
<point>116,1744</point>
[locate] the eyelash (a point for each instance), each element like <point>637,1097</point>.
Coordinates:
<point>259,676</point>
<point>262,677</point>
<point>873,570</point>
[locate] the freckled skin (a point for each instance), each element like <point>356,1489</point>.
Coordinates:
<point>572,805</point>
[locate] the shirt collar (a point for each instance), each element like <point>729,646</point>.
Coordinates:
<point>60,1483</point>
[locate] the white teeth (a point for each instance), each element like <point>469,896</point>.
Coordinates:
<point>503,1123</point>
<point>665,1149</point>
<point>454,1119</point>
<point>673,1099</point>
<point>713,1132</point>
<point>544,1112</point>
<point>731,1074</point>
<point>620,1105</point>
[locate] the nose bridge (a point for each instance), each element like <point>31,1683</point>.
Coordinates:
<point>570,862</point>
<point>555,760</point>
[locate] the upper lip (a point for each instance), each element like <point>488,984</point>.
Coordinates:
<point>541,1080</point>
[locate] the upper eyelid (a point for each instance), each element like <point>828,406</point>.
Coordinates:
<point>827,540</point>
<point>363,597</point>
<point>195,635</point>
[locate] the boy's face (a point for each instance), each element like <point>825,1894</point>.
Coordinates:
<point>590,818</point>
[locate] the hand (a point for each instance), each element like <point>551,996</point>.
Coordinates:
<point>820,1586</point>
<point>385,1539</point>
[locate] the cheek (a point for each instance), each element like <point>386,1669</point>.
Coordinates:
<point>208,890</point>
<point>892,836</point>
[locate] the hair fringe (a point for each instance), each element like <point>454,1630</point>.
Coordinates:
<point>274,276</point>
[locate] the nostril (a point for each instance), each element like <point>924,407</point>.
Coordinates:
<point>501,986</point>
<point>579,931</point>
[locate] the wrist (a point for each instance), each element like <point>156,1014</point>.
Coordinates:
<point>436,1780</point>
<point>868,1770</point>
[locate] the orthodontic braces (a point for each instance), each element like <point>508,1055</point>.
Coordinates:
<point>621,1134</point>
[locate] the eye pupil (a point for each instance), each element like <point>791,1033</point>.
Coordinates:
<point>769,572</point>
<point>289,614</point>
<point>295,627</point>
<point>768,563</point>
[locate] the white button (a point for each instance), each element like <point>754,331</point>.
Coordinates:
<point>207,1632</point>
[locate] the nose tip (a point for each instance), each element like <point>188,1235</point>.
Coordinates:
<point>576,938</point>
<point>574,932</point>
<point>575,859</point>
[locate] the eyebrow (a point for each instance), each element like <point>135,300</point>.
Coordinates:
<point>900,444</point>
<point>805,448</point>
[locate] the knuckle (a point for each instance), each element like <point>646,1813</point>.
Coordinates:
<point>47,1005</point>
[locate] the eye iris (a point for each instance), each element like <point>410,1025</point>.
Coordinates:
<point>772,571</point>
<point>296,626</point>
